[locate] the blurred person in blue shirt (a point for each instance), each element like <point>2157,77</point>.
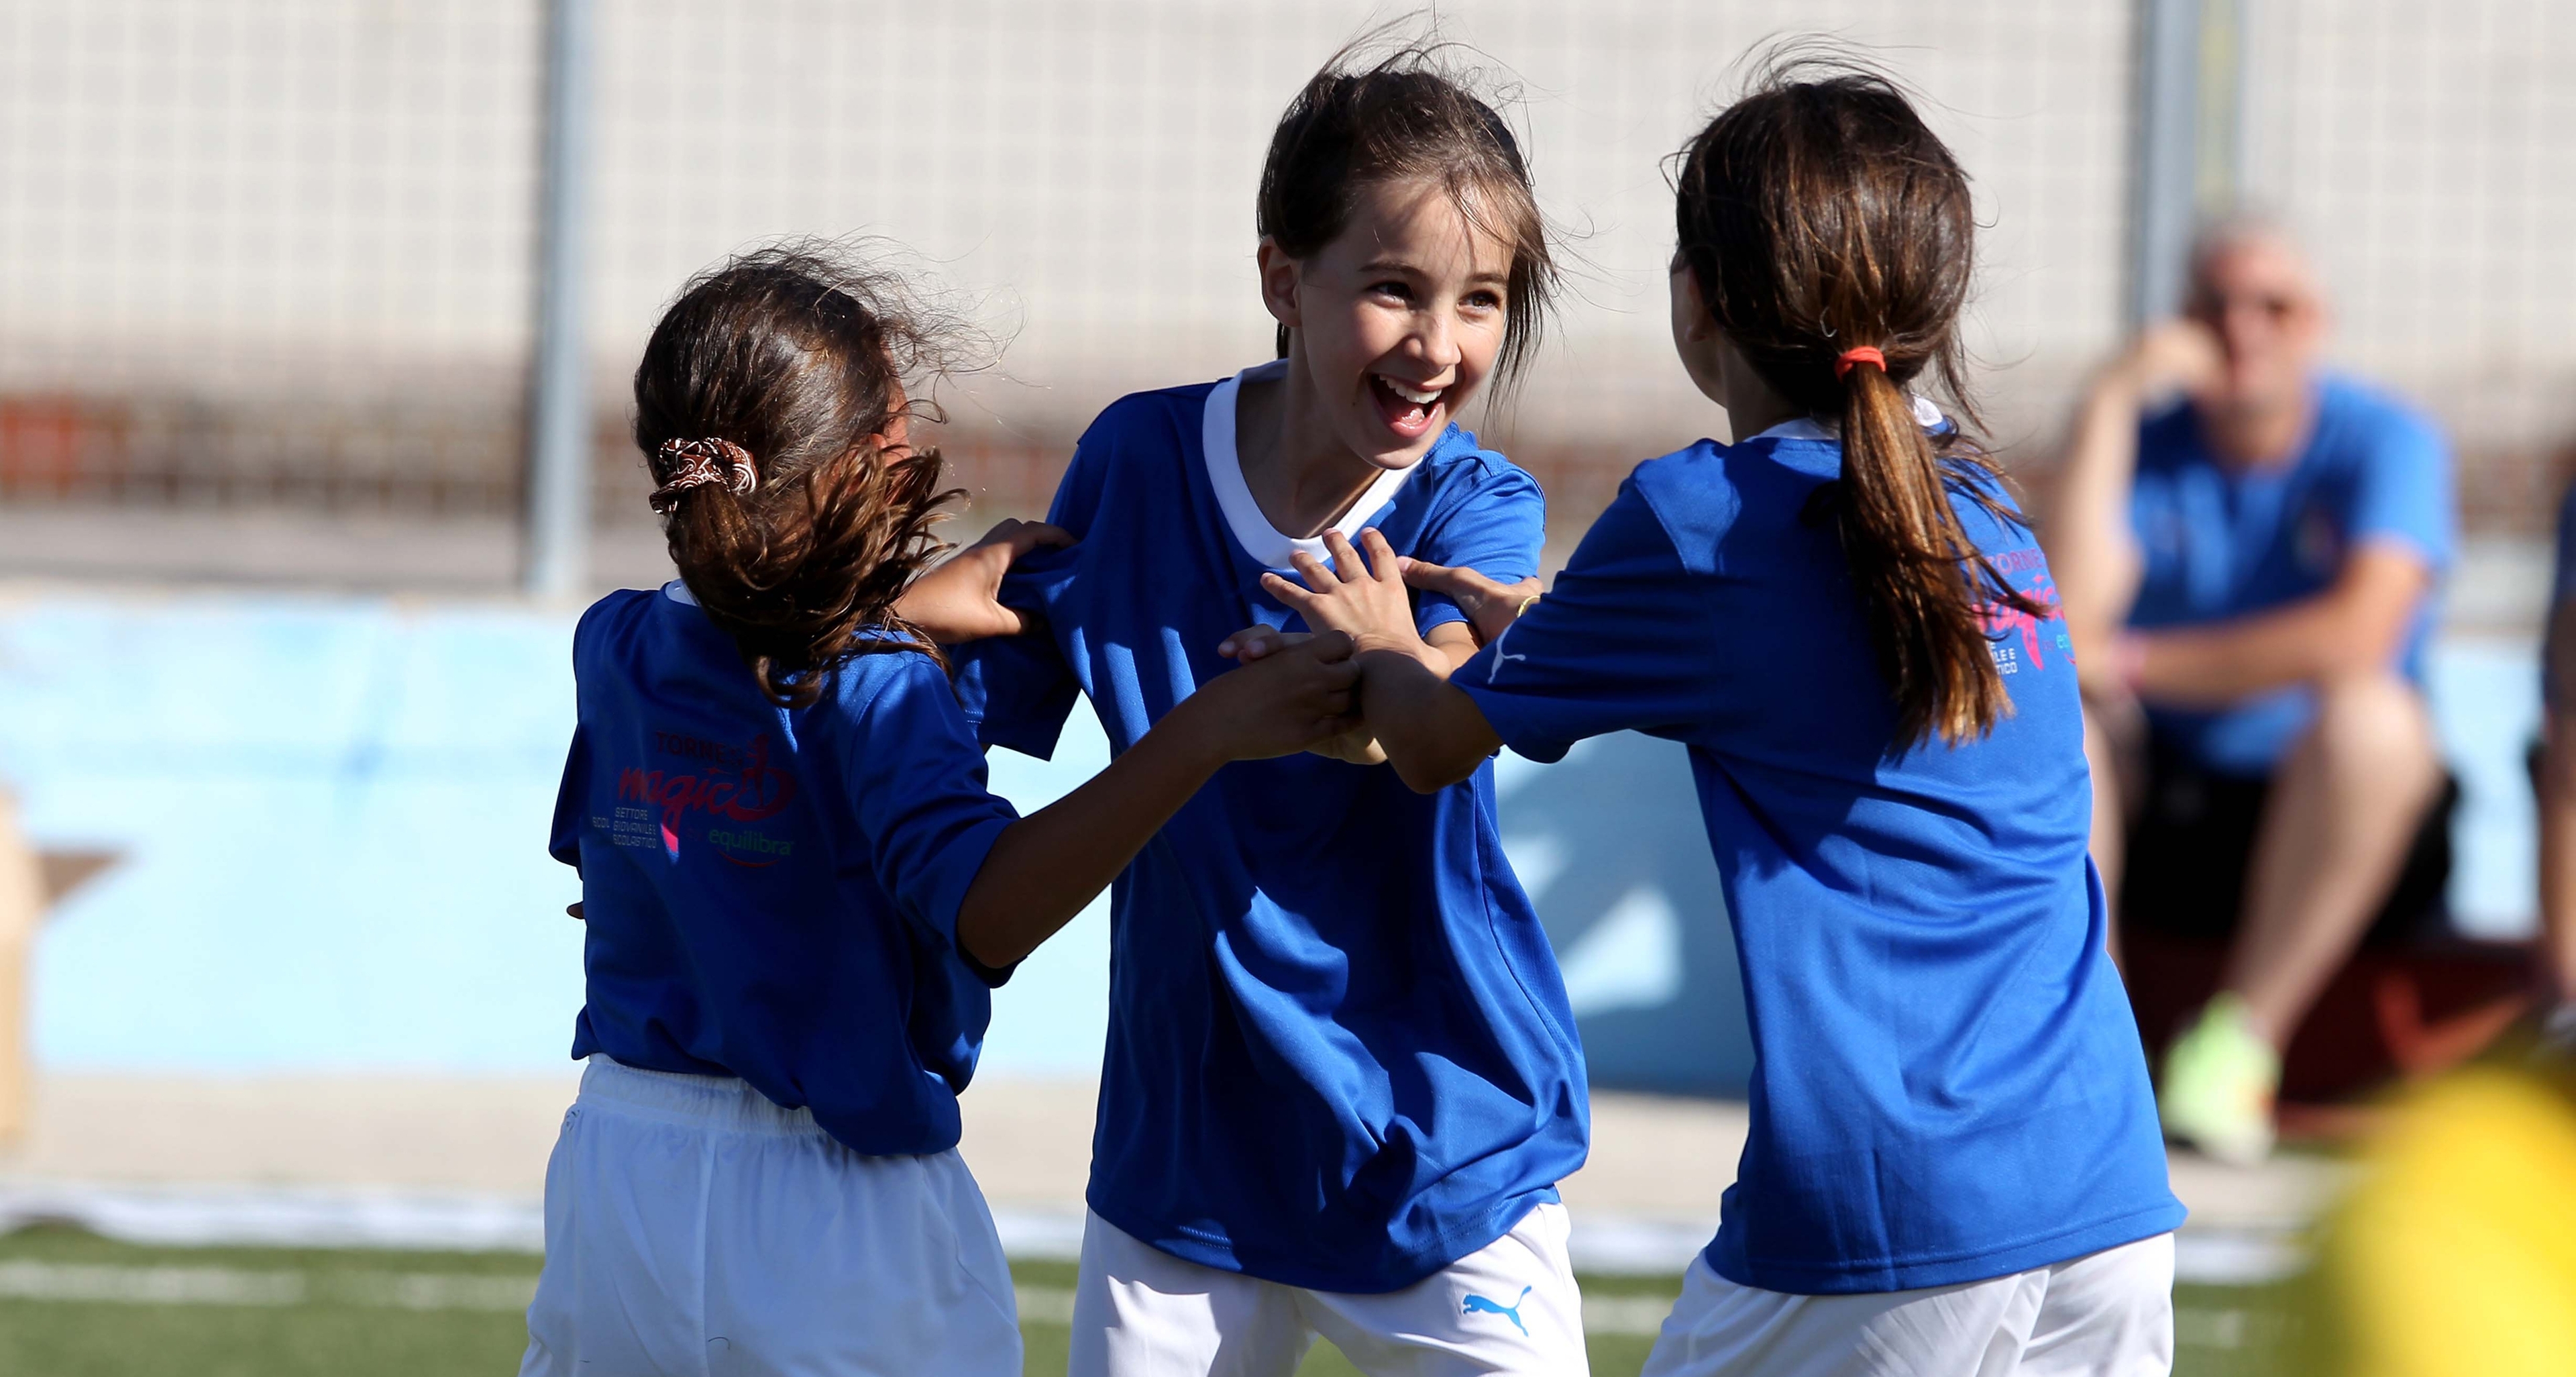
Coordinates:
<point>2248,547</point>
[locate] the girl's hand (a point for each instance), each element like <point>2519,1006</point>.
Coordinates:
<point>1491,607</point>
<point>1365,600</point>
<point>961,599</point>
<point>1291,697</point>
<point>1255,642</point>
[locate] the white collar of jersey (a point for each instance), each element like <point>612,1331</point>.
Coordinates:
<point>1926,415</point>
<point>677,591</point>
<point>1252,530</point>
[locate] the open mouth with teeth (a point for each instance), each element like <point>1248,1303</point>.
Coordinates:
<point>1408,410</point>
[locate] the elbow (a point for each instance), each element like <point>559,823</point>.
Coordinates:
<point>983,947</point>
<point>1424,775</point>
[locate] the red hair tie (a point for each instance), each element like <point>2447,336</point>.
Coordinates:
<point>1854,358</point>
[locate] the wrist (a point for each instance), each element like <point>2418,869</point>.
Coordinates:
<point>1406,643</point>
<point>1191,737</point>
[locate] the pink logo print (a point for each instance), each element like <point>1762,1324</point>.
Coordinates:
<point>2000,618</point>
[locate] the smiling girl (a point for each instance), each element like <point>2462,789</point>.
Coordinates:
<point>1342,1080</point>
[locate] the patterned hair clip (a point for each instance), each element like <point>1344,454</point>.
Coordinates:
<point>685,464</point>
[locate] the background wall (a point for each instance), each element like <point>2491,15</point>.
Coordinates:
<point>254,250</point>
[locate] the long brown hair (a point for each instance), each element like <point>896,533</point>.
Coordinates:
<point>1821,215</point>
<point>1411,116</point>
<point>790,361</point>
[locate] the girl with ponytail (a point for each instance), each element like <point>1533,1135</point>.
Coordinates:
<point>1953,1163</point>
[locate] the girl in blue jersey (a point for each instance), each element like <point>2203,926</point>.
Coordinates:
<point>797,889</point>
<point>1342,1080</point>
<point>1953,1163</point>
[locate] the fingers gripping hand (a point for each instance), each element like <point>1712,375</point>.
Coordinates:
<point>1362,598</point>
<point>1258,642</point>
<point>961,599</point>
<point>1291,699</point>
<point>1491,607</point>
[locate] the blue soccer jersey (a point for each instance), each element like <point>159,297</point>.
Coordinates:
<point>1340,1054</point>
<point>2220,541</point>
<point>1948,1084</point>
<point>772,893</point>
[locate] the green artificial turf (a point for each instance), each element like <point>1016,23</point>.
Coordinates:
<point>433,1314</point>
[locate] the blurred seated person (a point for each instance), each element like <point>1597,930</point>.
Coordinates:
<point>2247,549</point>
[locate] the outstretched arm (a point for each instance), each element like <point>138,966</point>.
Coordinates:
<point>1046,867</point>
<point>1432,733</point>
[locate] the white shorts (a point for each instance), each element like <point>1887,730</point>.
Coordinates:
<point>1509,1307</point>
<point>692,1226</point>
<point>2108,1313</point>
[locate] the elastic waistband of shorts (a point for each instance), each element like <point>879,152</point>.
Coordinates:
<point>721,1102</point>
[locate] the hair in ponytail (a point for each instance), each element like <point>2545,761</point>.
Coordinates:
<point>762,406</point>
<point>1830,233</point>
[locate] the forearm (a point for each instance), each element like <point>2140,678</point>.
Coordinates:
<point>2213,666</point>
<point>2353,627</point>
<point>1048,866</point>
<point>951,612</point>
<point>1432,733</point>
<point>2084,529</point>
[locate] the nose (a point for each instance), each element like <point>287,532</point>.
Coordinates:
<point>1434,341</point>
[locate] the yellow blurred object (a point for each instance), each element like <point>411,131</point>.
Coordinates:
<point>2456,1251</point>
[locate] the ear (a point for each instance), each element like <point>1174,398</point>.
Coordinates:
<point>1690,306</point>
<point>1280,275</point>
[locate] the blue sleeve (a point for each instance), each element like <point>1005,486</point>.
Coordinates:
<point>1017,690</point>
<point>917,782</point>
<point>572,802</point>
<point>2403,492</point>
<point>1498,531</point>
<point>1622,642</point>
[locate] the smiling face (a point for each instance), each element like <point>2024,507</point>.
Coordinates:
<point>1396,322</point>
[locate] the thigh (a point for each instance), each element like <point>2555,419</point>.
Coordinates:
<point>1141,1312</point>
<point>1719,1327</point>
<point>1509,1307</point>
<point>823,1261</point>
<point>2108,1313</point>
<point>622,1286</point>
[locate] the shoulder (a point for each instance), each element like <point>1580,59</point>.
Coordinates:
<point>1167,412</point>
<point>1459,474</point>
<point>1686,501</point>
<point>609,618</point>
<point>1147,428</point>
<point>2371,423</point>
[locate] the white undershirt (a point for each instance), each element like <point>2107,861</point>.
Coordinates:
<point>1252,530</point>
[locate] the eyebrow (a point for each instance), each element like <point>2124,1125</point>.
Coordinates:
<point>1398,265</point>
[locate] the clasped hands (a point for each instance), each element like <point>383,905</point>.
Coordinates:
<point>1367,599</point>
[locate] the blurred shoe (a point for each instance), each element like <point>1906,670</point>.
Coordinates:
<point>2558,1030</point>
<point>2220,1076</point>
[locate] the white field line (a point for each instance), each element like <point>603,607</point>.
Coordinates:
<point>82,1281</point>
<point>453,1291</point>
<point>70,1281</point>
